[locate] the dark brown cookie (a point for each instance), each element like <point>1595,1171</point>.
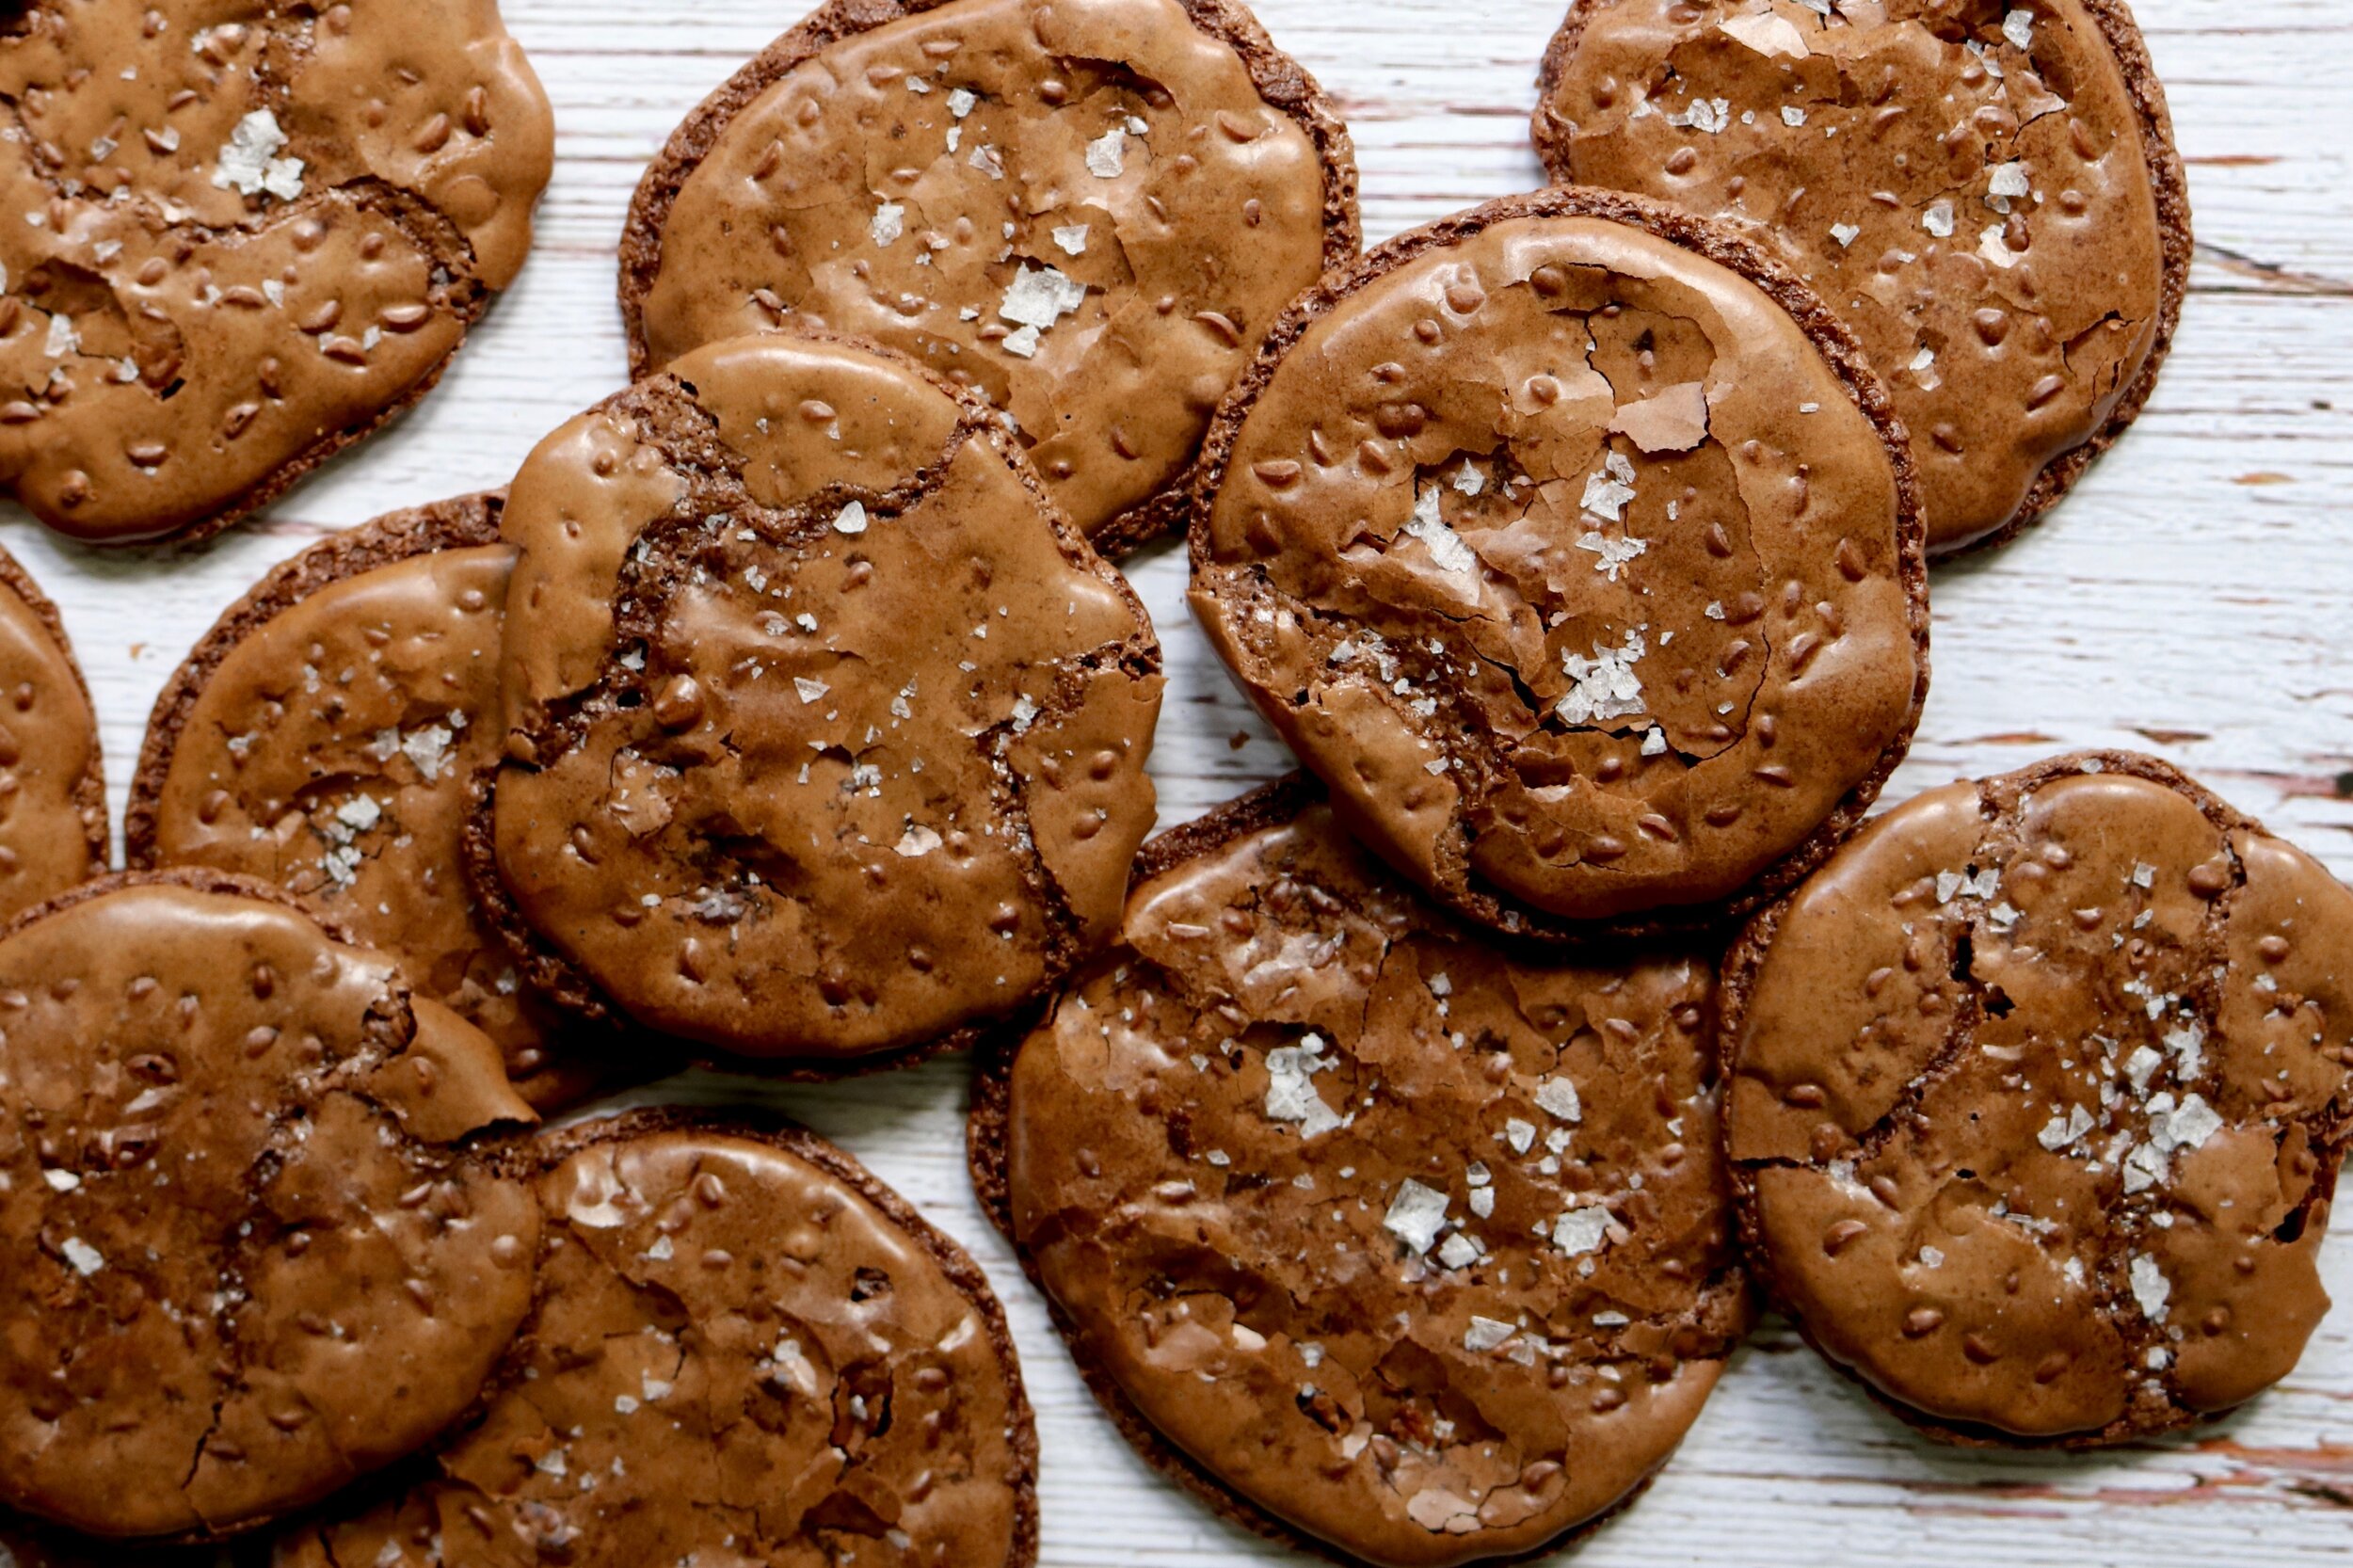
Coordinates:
<point>249,243</point>
<point>329,735</point>
<point>2038,1099</point>
<point>826,729</point>
<point>243,1257</point>
<point>1986,190</point>
<point>24,1544</point>
<point>1386,1240</point>
<point>1573,544</point>
<point>1089,212</point>
<point>53,787</point>
<point>746,1349</point>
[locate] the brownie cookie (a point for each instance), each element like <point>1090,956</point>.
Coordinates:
<point>328,736</point>
<point>243,1257</point>
<point>825,728</point>
<point>1387,1242</point>
<point>1571,543</point>
<point>1986,190</point>
<point>1090,212</point>
<point>2039,1094</point>
<point>744,1349</point>
<point>52,790</point>
<point>253,233</point>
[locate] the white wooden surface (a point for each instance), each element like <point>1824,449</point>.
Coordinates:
<point>2193,597</point>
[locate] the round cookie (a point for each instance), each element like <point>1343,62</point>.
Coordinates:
<point>826,729</point>
<point>746,1349</point>
<point>1571,543</point>
<point>53,789</point>
<point>1230,1151</point>
<point>2036,1103</point>
<point>254,234</point>
<point>244,1254</point>
<point>1986,191</point>
<point>1090,212</point>
<point>329,734</point>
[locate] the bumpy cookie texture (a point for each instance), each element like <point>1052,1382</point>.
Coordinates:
<point>826,729</point>
<point>1986,191</point>
<point>242,1259</point>
<point>744,1349</point>
<point>328,736</point>
<point>252,232</point>
<point>2038,1099</point>
<point>1393,1242</point>
<point>52,795</point>
<point>1585,573</point>
<point>1089,211</point>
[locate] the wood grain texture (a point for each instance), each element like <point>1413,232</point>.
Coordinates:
<point>2193,598</point>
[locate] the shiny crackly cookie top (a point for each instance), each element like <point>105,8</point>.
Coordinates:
<point>1085,209</point>
<point>235,1250</point>
<point>334,750</point>
<point>241,224</point>
<point>1421,1250</point>
<point>52,821</point>
<point>1966,182</point>
<point>1566,558</point>
<point>827,731</point>
<point>737,1357</point>
<point>2038,1087</point>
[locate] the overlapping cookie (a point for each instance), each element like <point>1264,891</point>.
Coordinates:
<point>53,792</point>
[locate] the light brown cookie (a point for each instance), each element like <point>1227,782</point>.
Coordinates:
<point>1986,190</point>
<point>1385,1239</point>
<point>745,1349</point>
<point>1089,212</point>
<point>2038,1099</point>
<point>53,787</point>
<point>825,728</point>
<point>244,1255</point>
<point>329,735</point>
<point>1570,542</point>
<point>250,235</point>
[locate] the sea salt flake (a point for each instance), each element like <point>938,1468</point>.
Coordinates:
<point>1604,686</point>
<point>1994,248</point>
<point>1458,1251</point>
<point>1845,233</point>
<point>916,843</point>
<point>2150,1289</point>
<point>1710,115</point>
<point>1041,296</point>
<point>1581,1230</point>
<point>962,101</point>
<point>360,813</point>
<point>889,222</point>
<point>1608,493</point>
<point>61,1182</point>
<point>1520,1136</point>
<point>2142,1065</point>
<point>1557,1098</point>
<point>851,518</point>
<point>1445,545</point>
<point>988,161</point>
<point>1938,220</point>
<point>1487,1334</point>
<point>1792,116</point>
<point>1615,555</point>
<point>2062,1130</point>
<point>1291,1094</point>
<point>1072,238</point>
<point>1415,1214</point>
<point>250,162</point>
<point>1107,154</point>
<point>427,748</point>
<point>2018,27</point>
<point>62,340</point>
<point>2010,180</point>
<point>811,691</point>
<point>87,1259</point>
<point>2193,1124</point>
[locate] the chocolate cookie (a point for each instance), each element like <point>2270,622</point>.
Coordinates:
<point>2038,1099</point>
<point>826,729</point>
<point>1986,190</point>
<point>28,1545</point>
<point>329,735</point>
<point>1574,545</point>
<point>243,1256</point>
<point>1089,212</point>
<point>253,234</point>
<point>746,1349</point>
<point>1387,1242</point>
<point>52,790</point>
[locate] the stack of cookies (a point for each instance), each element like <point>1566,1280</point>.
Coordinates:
<point>1403,1150</point>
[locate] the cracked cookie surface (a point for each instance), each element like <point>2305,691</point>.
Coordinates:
<point>328,736</point>
<point>1089,212</point>
<point>253,230</point>
<point>1987,192</point>
<point>2038,1095</point>
<point>243,1260</point>
<point>53,792</point>
<point>1385,1239</point>
<point>826,729</point>
<point>746,1351</point>
<point>1569,542</point>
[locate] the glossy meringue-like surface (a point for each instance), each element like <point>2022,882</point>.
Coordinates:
<point>739,1356</point>
<point>52,829</point>
<point>1421,1250</point>
<point>1573,568</point>
<point>335,749</point>
<point>241,1263</point>
<point>2038,1086</point>
<point>245,228</point>
<point>1966,184</point>
<point>1088,211</point>
<point>827,731</point>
